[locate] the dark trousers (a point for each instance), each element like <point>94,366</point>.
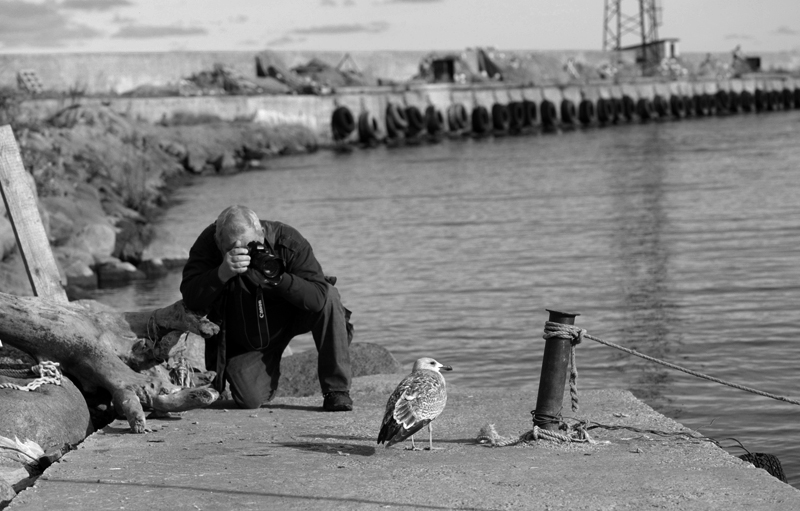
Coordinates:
<point>253,376</point>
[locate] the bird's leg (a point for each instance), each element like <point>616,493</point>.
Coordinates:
<point>430,439</point>
<point>413,447</point>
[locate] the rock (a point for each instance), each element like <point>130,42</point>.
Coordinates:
<point>98,239</point>
<point>299,372</point>
<point>14,277</point>
<point>164,251</point>
<point>61,228</point>
<point>195,161</point>
<point>77,266</point>
<point>51,416</point>
<point>115,273</point>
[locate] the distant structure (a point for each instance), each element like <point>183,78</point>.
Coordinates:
<point>641,27</point>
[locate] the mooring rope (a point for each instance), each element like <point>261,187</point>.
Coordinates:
<point>572,332</point>
<point>48,373</point>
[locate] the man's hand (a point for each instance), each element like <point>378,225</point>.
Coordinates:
<point>235,262</point>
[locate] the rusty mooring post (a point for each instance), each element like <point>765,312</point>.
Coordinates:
<point>555,365</point>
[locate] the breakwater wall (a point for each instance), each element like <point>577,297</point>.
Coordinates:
<point>554,106</point>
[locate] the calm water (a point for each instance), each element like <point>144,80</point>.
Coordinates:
<point>681,240</point>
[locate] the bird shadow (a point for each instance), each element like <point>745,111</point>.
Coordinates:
<point>230,404</point>
<point>334,449</point>
<point>341,437</point>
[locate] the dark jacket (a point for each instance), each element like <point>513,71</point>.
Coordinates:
<point>303,287</point>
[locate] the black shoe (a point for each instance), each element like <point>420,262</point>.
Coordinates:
<point>337,402</point>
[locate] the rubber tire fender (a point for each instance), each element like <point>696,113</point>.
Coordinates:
<point>548,113</point>
<point>628,107</point>
<point>480,120</point>
<point>676,106</point>
<point>457,117</point>
<point>605,110</point>
<point>586,111</point>
<point>367,127</point>
<point>434,120</point>
<point>722,101</point>
<point>660,106</point>
<point>746,101</point>
<point>416,123</point>
<point>734,101</point>
<point>516,115</point>
<point>529,112</point>
<point>342,123</point>
<point>644,109</point>
<point>501,118</point>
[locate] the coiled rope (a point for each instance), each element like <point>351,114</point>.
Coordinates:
<point>572,332</point>
<point>48,373</point>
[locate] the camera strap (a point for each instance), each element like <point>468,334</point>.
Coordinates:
<point>260,316</point>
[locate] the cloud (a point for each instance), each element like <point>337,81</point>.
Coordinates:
<point>238,19</point>
<point>328,3</point>
<point>346,28</point>
<point>784,30</point>
<point>740,37</point>
<point>282,41</point>
<point>94,5</point>
<point>156,31</point>
<point>39,25</point>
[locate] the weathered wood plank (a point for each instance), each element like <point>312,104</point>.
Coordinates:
<point>32,240</point>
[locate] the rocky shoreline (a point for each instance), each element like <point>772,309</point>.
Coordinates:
<point>102,179</point>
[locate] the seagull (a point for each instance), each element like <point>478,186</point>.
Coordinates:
<point>416,401</point>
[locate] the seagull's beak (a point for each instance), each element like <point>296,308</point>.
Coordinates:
<point>446,368</point>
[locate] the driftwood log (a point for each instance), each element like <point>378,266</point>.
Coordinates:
<point>107,350</point>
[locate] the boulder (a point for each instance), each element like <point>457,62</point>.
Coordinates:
<point>98,239</point>
<point>51,416</point>
<point>299,372</point>
<point>163,252</point>
<point>77,266</point>
<point>114,272</point>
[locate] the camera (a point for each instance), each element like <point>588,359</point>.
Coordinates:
<point>265,262</point>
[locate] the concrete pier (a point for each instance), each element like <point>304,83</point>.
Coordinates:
<point>292,455</point>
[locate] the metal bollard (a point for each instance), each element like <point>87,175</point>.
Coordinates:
<point>553,379</point>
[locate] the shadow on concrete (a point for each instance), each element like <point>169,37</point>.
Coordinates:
<point>215,490</point>
<point>357,450</point>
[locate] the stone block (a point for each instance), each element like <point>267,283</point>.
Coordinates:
<point>299,372</point>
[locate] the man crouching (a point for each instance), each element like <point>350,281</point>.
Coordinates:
<point>260,281</point>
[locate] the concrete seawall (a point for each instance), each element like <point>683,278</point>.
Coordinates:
<point>316,112</point>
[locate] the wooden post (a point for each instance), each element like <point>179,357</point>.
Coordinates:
<point>20,201</point>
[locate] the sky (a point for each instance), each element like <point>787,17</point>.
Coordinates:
<point>47,26</point>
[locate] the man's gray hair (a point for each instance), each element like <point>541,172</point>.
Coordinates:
<point>233,222</point>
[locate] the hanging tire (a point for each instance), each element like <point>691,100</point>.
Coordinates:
<point>700,105</point>
<point>586,112</point>
<point>481,121</point>
<point>501,119</point>
<point>788,99</point>
<point>628,107</point>
<point>368,129</point>
<point>616,107</point>
<point>797,97</point>
<point>734,102</point>
<point>568,111</point>
<point>456,117</point>
<point>434,120</point>
<point>416,123</point>
<point>548,113</point>
<point>605,110</point>
<point>722,101</point>
<point>644,109</point>
<point>688,106</point>
<point>516,115</point>
<point>396,122</point>
<point>746,101</point>
<point>342,123</point>
<point>676,106</point>
<point>660,106</point>
<point>775,100</point>
<point>529,112</point>
<point>761,100</point>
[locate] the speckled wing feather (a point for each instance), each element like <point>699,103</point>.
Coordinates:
<point>416,401</point>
